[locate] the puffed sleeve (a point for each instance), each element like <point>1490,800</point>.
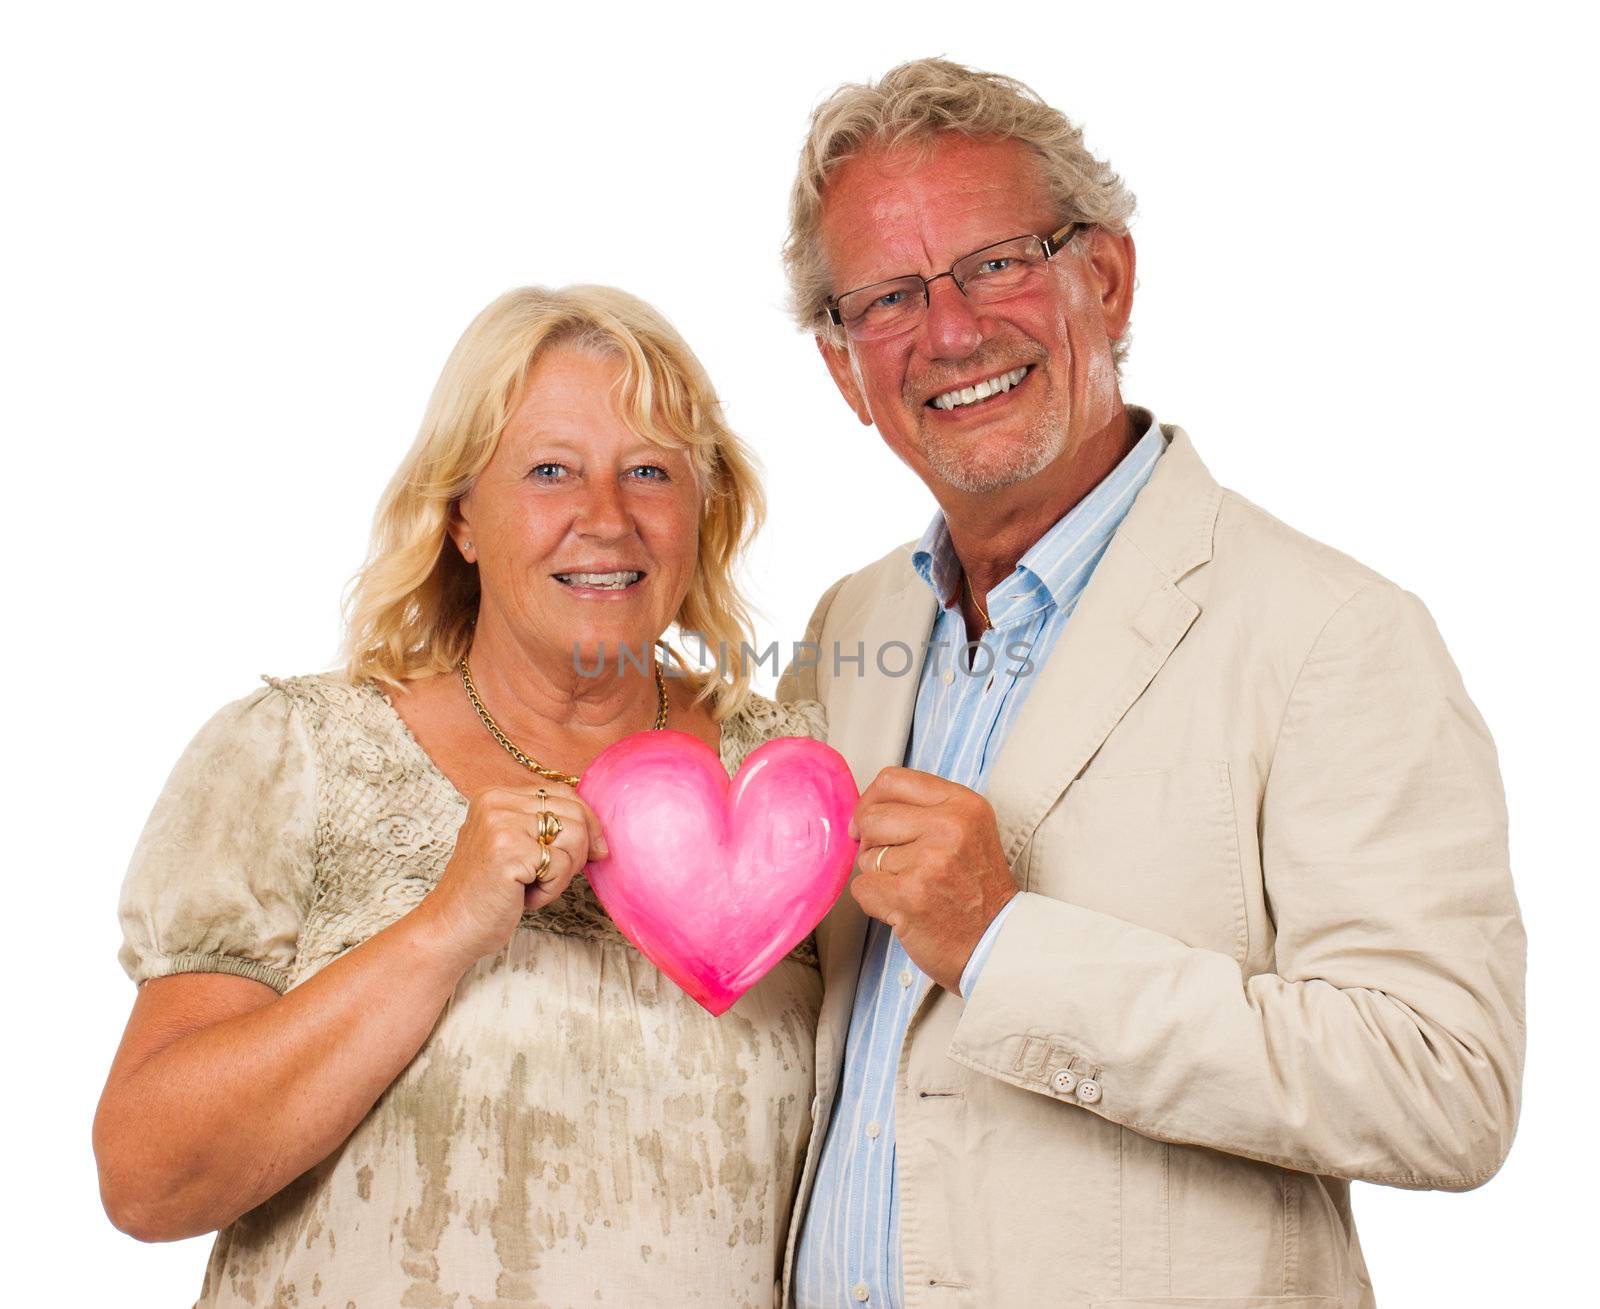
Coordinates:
<point>221,877</point>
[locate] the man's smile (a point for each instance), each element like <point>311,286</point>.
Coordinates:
<point>964,396</point>
<point>981,396</point>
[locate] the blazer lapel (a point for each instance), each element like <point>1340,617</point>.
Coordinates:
<point>869,714</point>
<point>1130,618</point>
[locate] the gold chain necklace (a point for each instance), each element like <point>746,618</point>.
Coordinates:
<point>982,612</point>
<point>527,761</point>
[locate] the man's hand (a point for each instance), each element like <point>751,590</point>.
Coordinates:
<point>941,876</point>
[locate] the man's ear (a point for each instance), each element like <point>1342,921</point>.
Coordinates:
<point>842,369</point>
<point>1111,261</point>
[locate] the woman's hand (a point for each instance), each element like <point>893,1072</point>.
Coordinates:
<point>490,880</point>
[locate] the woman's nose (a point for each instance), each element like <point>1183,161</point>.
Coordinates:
<point>601,511</point>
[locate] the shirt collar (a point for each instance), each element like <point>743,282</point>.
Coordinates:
<point>1052,571</point>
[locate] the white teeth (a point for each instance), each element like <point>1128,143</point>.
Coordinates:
<point>600,581</point>
<point>967,395</point>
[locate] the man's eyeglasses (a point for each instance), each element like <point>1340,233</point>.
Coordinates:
<point>985,276</point>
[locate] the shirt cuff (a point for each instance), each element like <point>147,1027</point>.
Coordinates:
<point>980,952</point>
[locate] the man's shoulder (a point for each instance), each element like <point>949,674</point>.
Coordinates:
<point>1260,559</point>
<point>892,572</point>
<point>857,593</point>
<point>1184,518</point>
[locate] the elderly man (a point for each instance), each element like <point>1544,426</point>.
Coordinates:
<point>1183,896</point>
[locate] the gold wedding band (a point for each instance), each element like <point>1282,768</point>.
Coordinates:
<point>877,864</point>
<point>541,873</point>
<point>549,827</point>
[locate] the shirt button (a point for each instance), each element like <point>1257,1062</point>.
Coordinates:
<point>872,1130</point>
<point>949,676</point>
<point>860,1292</point>
<point>1088,1090</point>
<point>905,977</point>
<point>1064,1080</point>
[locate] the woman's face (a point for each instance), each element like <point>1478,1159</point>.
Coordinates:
<point>585,534</point>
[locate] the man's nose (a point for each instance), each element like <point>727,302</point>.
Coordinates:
<point>950,330</point>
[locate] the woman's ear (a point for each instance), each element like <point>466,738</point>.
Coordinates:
<point>460,531</point>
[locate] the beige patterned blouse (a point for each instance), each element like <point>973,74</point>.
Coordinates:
<point>576,1130</point>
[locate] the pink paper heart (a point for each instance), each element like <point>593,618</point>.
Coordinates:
<point>715,881</point>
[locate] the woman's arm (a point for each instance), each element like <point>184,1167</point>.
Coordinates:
<point>222,1092</point>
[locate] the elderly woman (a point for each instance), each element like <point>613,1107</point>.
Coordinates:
<point>386,1039</point>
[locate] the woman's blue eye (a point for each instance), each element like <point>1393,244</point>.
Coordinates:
<point>654,472</point>
<point>547,471</point>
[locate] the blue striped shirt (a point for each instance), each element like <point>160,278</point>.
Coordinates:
<point>849,1249</point>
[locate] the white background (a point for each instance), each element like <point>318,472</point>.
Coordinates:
<point>241,242</point>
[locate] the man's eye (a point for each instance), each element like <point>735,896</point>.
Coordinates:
<point>889,300</point>
<point>998,264</point>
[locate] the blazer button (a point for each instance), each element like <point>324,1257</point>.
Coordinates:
<point>1064,1080</point>
<point>1088,1090</point>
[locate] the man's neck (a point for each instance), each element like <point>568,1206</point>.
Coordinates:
<point>990,532</point>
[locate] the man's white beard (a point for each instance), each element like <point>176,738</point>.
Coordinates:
<point>976,469</point>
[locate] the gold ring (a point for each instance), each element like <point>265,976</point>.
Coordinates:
<point>549,827</point>
<point>541,873</point>
<point>877,864</point>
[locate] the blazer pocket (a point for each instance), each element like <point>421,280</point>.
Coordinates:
<point>1157,848</point>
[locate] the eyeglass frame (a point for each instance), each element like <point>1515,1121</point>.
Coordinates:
<point>1053,245</point>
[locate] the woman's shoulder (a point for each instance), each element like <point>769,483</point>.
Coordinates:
<point>331,718</point>
<point>331,687</point>
<point>757,719</point>
<point>330,702</point>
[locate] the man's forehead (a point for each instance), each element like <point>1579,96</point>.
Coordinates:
<point>893,211</point>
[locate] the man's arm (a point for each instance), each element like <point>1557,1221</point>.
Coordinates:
<point>1388,1044</point>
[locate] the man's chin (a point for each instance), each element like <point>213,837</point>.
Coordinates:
<point>977,468</point>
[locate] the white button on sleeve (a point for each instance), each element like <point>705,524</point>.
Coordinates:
<point>1088,1090</point>
<point>1064,1080</point>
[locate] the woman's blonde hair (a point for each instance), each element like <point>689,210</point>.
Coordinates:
<point>410,610</point>
<point>911,104</point>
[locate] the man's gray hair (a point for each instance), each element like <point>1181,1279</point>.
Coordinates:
<point>911,104</point>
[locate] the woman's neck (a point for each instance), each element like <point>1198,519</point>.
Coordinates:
<point>536,693</point>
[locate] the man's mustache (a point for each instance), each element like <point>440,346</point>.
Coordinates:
<point>988,363</point>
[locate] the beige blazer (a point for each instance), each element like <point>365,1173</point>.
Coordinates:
<point>1266,940</point>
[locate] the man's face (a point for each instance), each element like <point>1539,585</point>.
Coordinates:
<point>884,216</point>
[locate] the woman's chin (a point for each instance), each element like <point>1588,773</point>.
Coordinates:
<point>612,651</point>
